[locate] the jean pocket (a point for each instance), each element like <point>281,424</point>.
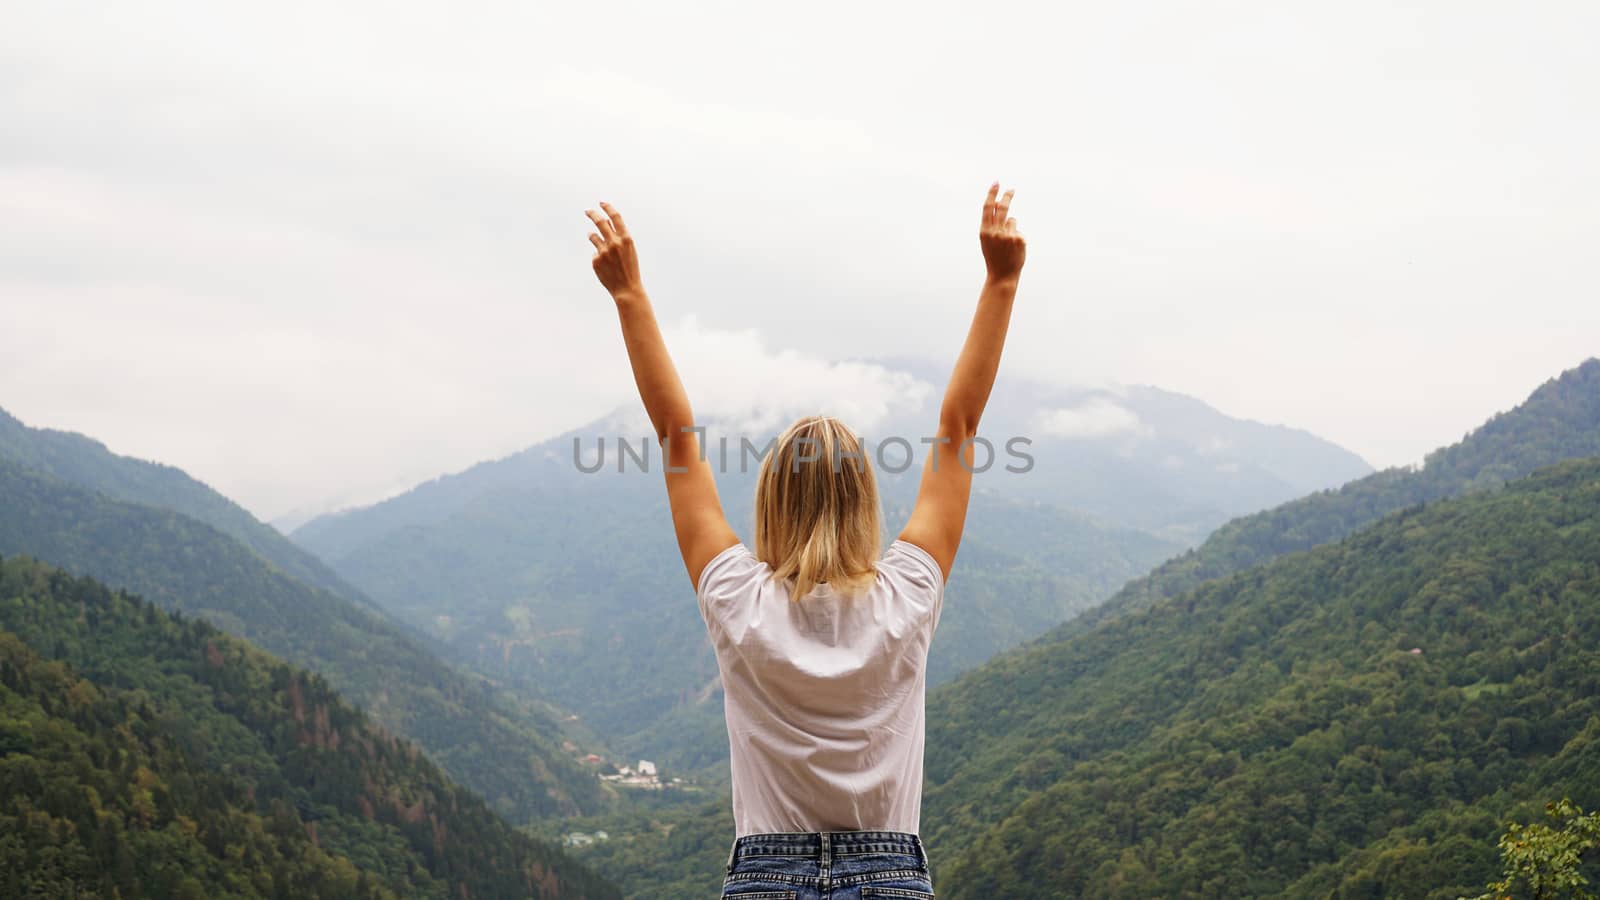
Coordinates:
<point>736,894</point>
<point>869,891</point>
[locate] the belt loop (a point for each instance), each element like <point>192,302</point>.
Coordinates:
<point>732,848</point>
<point>825,854</point>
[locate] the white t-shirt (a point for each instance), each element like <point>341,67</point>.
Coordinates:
<point>824,696</point>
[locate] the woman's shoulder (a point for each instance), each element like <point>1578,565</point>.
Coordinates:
<point>735,565</point>
<point>908,562</point>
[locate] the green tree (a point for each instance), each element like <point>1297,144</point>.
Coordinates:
<point>1545,862</point>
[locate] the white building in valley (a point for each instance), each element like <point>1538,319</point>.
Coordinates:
<point>646,776</point>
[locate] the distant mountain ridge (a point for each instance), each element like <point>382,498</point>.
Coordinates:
<point>1138,456</point>
<point>1137,474</point>
<point>84,461</point>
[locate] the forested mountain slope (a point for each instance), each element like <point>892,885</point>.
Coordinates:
<point>675,850</point>
<point>1351,721</point>
<point>509,754</point>
<point>147,756</point>
<point>1560,420</point>
<point>81,460</point>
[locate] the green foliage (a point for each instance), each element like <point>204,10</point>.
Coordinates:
<point>1272,734</point>
<point>663,848</point>
<point>507,752</point>
<point>1545,863</point>
<point>143,754</point>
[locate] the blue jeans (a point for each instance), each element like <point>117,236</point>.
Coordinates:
<point>828,865</point>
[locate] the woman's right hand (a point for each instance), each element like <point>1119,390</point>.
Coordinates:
<point>616,263</point>
<point>1003,247</point>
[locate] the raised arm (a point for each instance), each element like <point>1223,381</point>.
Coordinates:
<point>697,517</point>
<point>941,510</point>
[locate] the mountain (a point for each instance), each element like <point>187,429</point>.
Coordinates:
<point>507,751</point>
<point>536,573</point>
<point>146,755</point>
<point>1559,420</point>
<point>83,461</point>
<point>1350,721</point>
<point>533,570</point>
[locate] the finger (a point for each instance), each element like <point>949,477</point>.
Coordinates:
<point>616,218</point>
<point>1011,226</point>
<point>988,205</point>
<point>1003,209</point>
<point>602,223</point>
<point>598,242</point>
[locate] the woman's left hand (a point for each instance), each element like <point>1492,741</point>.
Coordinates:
<point>616,263</point>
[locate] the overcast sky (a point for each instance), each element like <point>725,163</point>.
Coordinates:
<point>313,256</point>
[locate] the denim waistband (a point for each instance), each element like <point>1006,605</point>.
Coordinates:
<point>822,844</point>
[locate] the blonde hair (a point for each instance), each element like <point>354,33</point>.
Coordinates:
<point>817,517</point>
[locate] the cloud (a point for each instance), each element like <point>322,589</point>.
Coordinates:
<point>1097,417</point>
<point>741,387</point>
<point>734,376</point>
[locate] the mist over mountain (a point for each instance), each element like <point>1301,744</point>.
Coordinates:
<point>1142,457</point>
<point>1134,456</point>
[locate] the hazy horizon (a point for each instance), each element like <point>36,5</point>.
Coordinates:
<point>314,256</point>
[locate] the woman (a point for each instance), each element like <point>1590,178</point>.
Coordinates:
<point>822,643</point>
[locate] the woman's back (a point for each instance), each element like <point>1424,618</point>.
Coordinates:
<point>824,695</point>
